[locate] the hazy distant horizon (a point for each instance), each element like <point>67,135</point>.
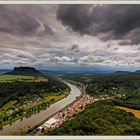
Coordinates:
<point>80,69</point>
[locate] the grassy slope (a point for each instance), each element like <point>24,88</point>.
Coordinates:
<point>7,77</point>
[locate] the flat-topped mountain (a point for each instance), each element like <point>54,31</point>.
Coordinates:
<point>25,71</point>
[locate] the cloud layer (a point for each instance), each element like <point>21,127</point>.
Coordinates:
<point>70,35</point>
<point>19,22</point>
<point>106,21</point>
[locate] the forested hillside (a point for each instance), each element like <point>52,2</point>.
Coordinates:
<point>125,88</point>
<point>17,89</point>
<point>100,118</point>
<point>103,117</point>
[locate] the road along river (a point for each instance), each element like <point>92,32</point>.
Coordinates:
<point>35,119</point>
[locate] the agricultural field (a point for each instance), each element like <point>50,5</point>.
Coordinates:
<point>53,97</point>
<point>12,78</point>
<point>7,77</point>
<point>8,105</point>
<point>40,79</point>
<point>135,112</point>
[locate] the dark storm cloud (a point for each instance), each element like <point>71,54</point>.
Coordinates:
<point>16,22</point>
<point>75,16</point>
<point>31,35</point>
<point>115,21</point>
<point>19,22</point>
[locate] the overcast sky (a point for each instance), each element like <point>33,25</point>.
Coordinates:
<point>52,36</point>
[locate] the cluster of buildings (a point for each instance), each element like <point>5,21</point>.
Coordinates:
<point>53,122</point>
<point>77,105</point>
<point>60,117</point>
<point>31,103</point>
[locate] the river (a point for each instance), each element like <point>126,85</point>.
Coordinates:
<point>35,119</point>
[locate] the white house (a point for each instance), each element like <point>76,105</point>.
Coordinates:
<point>50,123</point>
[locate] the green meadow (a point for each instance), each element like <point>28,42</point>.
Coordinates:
<point>7,77</point>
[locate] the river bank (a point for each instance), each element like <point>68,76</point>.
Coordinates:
<point>27,123</point>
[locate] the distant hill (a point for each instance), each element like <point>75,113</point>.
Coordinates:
<point>122,72</point>
<point>138,71</point>
<point>25,71</point>
<point>4,71</point>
